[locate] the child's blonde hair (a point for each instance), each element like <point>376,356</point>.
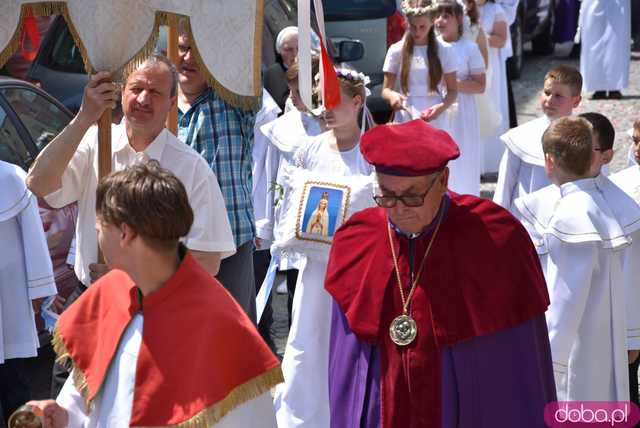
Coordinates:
<point>569,141</point>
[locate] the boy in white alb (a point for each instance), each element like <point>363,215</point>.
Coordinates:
<point>583,230</point>
<point>522,166</point>
<point>302,401</point>
<point>26,277</point>
<point>629,181</point>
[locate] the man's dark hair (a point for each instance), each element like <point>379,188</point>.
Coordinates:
<point>603,128</point>
<point>150,200</point>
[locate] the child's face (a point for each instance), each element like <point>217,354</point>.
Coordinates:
<point>419,27</point>
<point>557,100</point>
<point>635,140</point>
<point>345,114</point>
<point>600,157</point>
<point>109,241</point>
<point>447,25</point>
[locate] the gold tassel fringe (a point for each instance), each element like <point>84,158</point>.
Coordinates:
<point>239,395</point>
<point>79,379</point>
<point>161,18</point>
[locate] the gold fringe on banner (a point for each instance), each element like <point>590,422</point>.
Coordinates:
<point>161,18</point>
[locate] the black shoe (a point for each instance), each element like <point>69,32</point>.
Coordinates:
<point>615,95</point>
<point>599,95</point>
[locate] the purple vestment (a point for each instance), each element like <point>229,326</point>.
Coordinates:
<point>566,23</point>
<point>503,380</point>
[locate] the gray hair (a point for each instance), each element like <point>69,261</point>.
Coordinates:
<point>155,60</point>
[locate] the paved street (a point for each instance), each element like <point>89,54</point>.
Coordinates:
<point>622,114</point>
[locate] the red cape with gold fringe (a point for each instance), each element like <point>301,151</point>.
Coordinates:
<point>200,356</point>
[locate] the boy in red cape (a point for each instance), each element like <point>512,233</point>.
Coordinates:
<point>157,341</point>
<point>439,314</point>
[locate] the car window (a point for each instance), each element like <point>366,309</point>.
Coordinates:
<point>343,10</point>
<point>65,55</point>
<point>12,149</point>
<point>42,118</point>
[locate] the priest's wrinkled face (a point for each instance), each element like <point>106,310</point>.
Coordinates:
<point>412,202</point>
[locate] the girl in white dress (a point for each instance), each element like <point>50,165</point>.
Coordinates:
<point>494,23</point>
<point>302,401</point>
<point>424,69</point>
<point>464,172</point>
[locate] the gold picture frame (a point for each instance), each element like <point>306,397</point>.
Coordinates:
<point>322,209</point>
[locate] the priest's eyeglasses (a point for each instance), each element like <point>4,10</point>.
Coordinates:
<point>411,201</point>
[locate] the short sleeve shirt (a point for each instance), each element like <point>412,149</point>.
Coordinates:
<point>210,231</point>
<point>419,73</point>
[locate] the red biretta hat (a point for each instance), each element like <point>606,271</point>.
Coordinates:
<point>411,149</point>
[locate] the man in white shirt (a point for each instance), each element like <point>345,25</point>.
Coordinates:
<point>67,169</point>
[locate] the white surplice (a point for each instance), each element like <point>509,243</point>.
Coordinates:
<point>605,31</point>
<point>584,233</point>
<point>268,113</point>
<point>113,404</point>
<point>303,399</point>
<point>522,166</point>
<point>284,135</point>
<point>26,271</point>
<point>629,181</point>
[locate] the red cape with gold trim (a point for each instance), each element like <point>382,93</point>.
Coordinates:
<point>200,356</point>
<point>481,276</point>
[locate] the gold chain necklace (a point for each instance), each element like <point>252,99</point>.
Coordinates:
<point>403,329</point>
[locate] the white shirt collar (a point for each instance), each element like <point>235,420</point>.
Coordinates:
<point>153,150</point>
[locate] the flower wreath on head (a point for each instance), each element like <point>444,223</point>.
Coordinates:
<point>409,11</point>
<point>357,77</point>
<point>353,76</point>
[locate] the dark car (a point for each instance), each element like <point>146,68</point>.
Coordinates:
<point>534,23</point>
<point>29,119</point>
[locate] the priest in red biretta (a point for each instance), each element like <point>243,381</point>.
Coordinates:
<point>157,341</point>
<point>439,301</point>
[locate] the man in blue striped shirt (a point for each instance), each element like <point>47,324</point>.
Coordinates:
<point>223,135</point>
